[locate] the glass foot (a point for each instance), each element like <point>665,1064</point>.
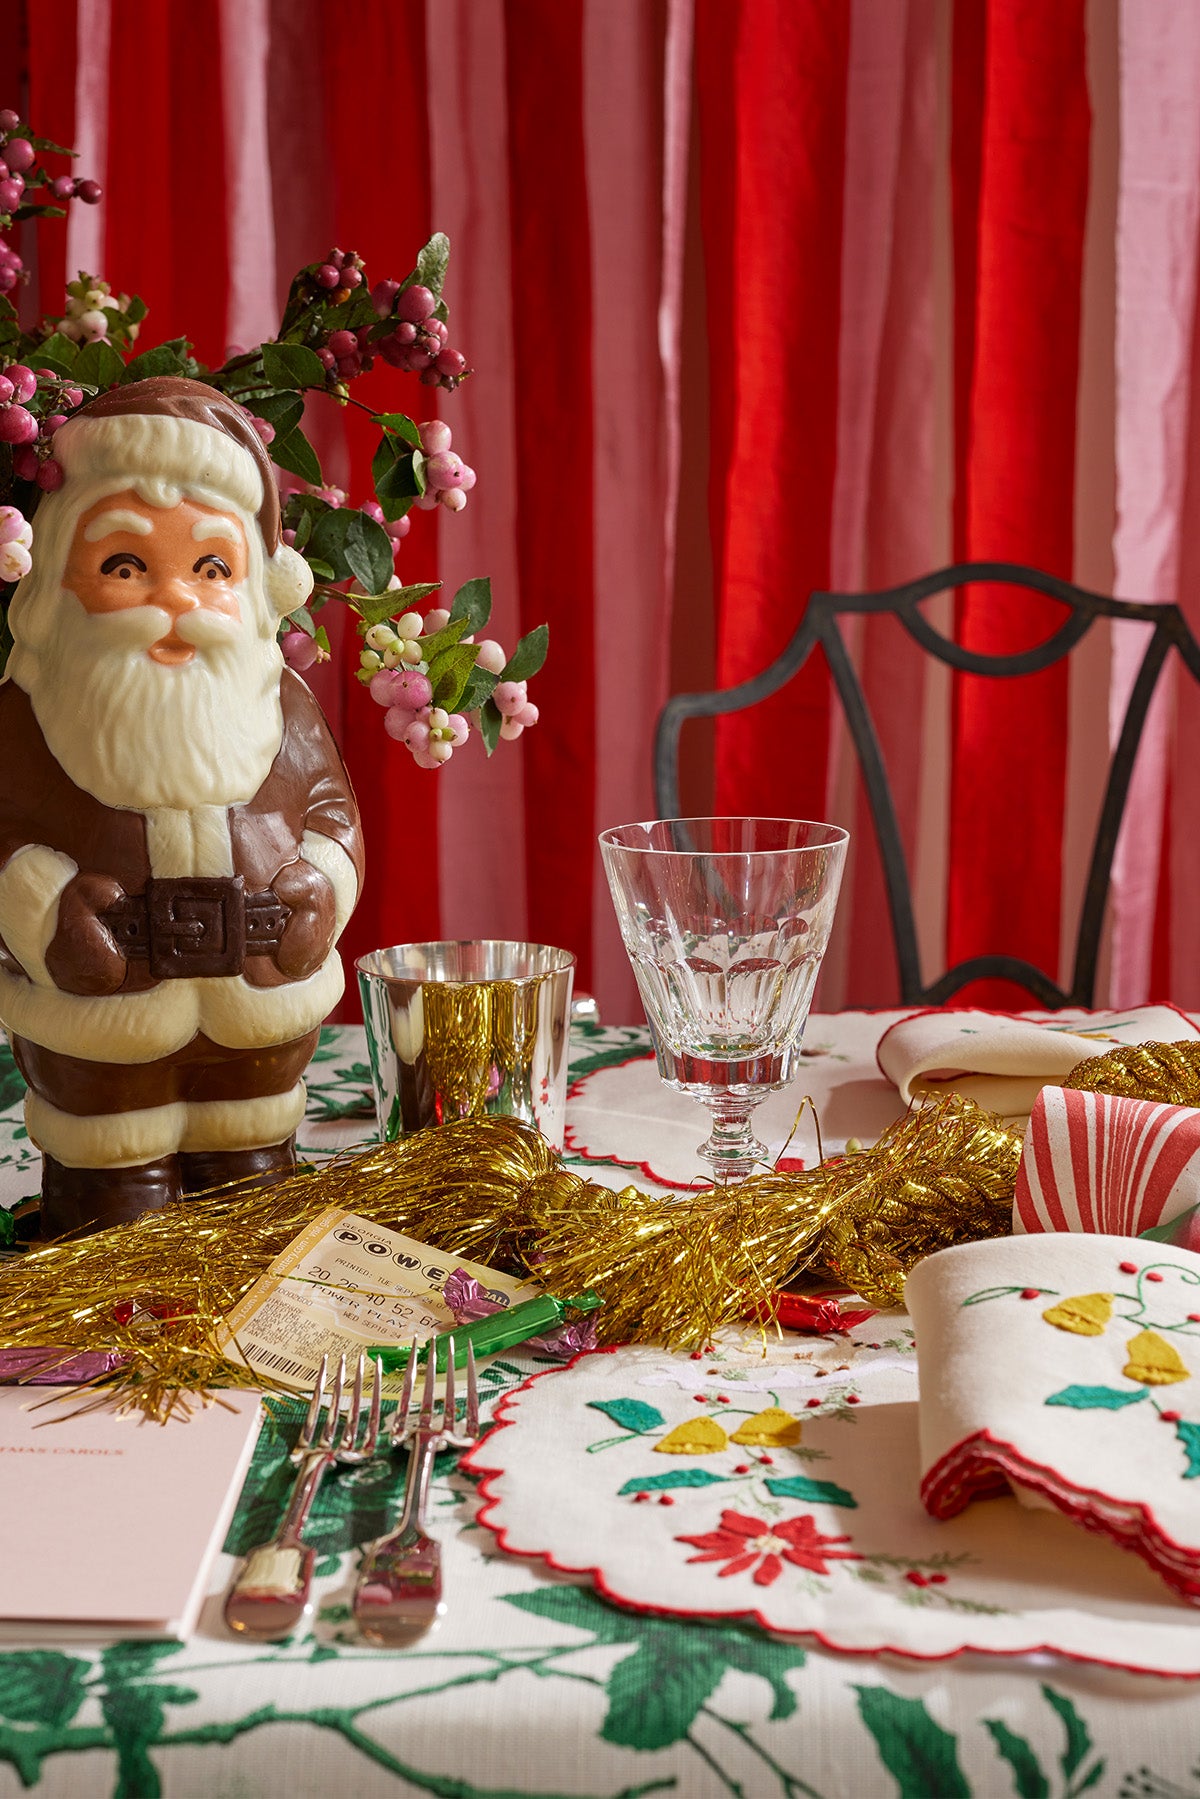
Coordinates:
<point>732,1151</point>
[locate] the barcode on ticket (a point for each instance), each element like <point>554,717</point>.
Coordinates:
<point>279,1364</point>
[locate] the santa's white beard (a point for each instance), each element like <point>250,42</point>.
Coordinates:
<point>137,733</point>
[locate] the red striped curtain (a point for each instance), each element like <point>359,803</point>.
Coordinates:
<point>763,296</point>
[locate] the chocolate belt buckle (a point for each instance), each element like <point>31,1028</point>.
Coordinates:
<point>196,927</point>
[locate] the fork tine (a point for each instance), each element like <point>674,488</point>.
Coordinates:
<point>353,1410</point>
<point>425,1418</point>
<point>372,1436</point>
<point>304,1441</point>
<point>329,1429</point>
<point>471,1421</point>
<point>450,1402</point>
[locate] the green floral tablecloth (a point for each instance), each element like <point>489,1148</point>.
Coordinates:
<point>533,1685</point>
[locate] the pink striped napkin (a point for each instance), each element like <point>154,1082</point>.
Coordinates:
<point>1096,1162</point>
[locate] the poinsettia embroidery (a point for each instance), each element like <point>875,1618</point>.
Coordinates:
<point>743,1542</point>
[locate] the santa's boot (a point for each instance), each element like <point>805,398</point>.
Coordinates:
<point>77,1201</point>
<point>202,1169</point>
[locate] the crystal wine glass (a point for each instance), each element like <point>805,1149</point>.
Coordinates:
<point>725,921</point>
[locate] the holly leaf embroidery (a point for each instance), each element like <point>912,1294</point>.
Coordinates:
<point>1028,1779</point>
<point>1090,1399</point>
<point>1189,1436</point>
<point>42,1686</point>
<point>1079,1739</point>
<point>630,1414</point>
<point>674,1477</point>
<point>817,1492</point>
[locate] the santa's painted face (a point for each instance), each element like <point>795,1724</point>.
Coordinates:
<point>178,560</point>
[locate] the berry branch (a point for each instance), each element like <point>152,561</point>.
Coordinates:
<point>436,677</point>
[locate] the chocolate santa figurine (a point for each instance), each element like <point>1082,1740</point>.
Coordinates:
<point>179,843</point>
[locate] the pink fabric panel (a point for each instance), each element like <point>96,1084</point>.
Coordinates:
<point>481,805</point>
<point>624,93</point>
<point>883,529</point>
<point>1157,216</point>
<point>85,224</point>
<point>251,312</point>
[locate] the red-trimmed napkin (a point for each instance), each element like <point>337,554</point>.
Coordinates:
<point>1066,1366</point>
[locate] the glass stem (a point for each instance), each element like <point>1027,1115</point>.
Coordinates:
<point>732,1151</point>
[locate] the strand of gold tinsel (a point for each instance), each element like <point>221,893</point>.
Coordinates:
<point>672,1270</point>
<point>1168,1073</point>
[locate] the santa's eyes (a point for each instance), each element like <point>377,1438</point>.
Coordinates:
<point>212,568</point>
<point>123,565</point>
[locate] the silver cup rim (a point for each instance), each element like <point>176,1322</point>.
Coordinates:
<point>567,960</point>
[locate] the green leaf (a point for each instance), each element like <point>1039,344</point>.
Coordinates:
<point>42,1686</point>
<point>480,687</point>
<point>57,350</point>
<point>816,1492</point>
<point>164,359</point>
<point>417,464</point>
<point>320,569</point>
<point>1079,1737</point>
<point>136,310</point>
<point>1090,1399</point>
<point>431,264</point>
<point>438,642</point>
<point>450,674</point>
<point>401,425</point>
<point>98,365</point>
<point>292,365</point>
<point>368,551</point>
<point>490,722</point>
<point>1028,1780</point>
<point>1189,1436</point>
<point>913,1747</point>
<point>302,620</point>
<point>473,601</point>
<point>528,656</point>
<point>630,1414</point>
<point>674,1477</point>
<point>292,451</point>
<point>376,608</point>
<point>283,410</point>
<point>655,1693</point>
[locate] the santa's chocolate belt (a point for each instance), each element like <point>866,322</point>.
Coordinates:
<point>188,928</point>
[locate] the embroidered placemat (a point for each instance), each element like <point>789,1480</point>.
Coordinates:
<point>785,1489</point>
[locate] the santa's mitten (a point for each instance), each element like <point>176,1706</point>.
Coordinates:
<point>307,936</point>
<point>83,956</point>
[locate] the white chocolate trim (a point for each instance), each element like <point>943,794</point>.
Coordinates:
<point>244,1123</point>
<point>118,519</point>
<point>31,884</point>
<point>187,844</point>
<point>125,1139</point>
<point>331,860</point>
<point>140,1027</point>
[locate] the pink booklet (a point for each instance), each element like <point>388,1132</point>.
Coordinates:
<point>116,1520</point>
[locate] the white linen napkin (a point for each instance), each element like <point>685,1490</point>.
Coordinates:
<point>1066,1366</point>
<point>1003,1061</point>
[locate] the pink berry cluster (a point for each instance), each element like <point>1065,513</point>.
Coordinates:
<point>92,310</point>
<point>29,428</point>
<point>393,666</point>
<point>448,479</point>
<point>19,170</point>
<point>16,535</point>
<point>419,340</point>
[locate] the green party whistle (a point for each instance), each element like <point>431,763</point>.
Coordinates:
<point>499,1330</point>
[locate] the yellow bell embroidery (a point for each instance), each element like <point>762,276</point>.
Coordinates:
<point>1086,1314</point>
<point>771,1429</point>
<point>1154,1361</point>
<point>696,1436</point>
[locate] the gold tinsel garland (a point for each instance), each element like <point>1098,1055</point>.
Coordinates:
<point>672,1269</point>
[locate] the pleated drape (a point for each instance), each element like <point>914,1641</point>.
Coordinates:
<point>880,216</point>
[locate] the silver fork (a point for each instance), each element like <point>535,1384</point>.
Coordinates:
<point>272,1590</point>
<point>399,1589</point>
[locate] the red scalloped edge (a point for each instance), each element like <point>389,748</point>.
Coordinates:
<point>982,1464</point>
<point>643,1168</point>
<point>473,1460</point>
